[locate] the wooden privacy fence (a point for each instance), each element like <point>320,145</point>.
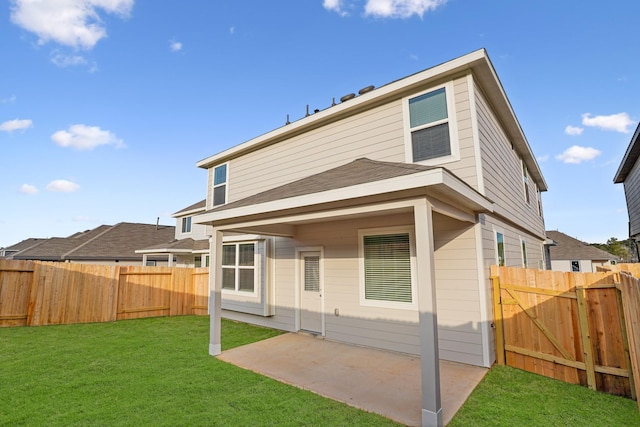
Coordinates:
<point>45,293</point>
<point>582,328</point>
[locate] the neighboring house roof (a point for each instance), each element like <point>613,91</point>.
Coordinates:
<point>183,245</point>
<point>477,62</point>
<point>630,158</point>
<point>25,244</point>
<point>568,248</point>
<point>196,207</point>
<point>106,242</point>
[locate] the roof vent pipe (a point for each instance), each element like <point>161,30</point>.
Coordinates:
<point>288,121</point>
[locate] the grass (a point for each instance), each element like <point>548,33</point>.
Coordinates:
<point>512,397</point>
<point>158,372</point>
<point>149,372</point>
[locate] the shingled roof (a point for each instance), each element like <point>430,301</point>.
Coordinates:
<point>106,242</point>
<point>359,171</point>
<point>568,248</point>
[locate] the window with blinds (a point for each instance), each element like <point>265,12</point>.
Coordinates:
<point>312,273</point>
<point>429,126</point>
<point>387,267</point>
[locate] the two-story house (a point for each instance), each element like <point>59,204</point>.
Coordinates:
<point>375,221</point>
<point>189,248</point>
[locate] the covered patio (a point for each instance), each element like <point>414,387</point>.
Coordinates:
<point>378,381</point>
<point>359,190</point>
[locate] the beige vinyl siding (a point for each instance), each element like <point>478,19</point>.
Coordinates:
<point>457,290</point>
<point>376,134</point>
<point>465,168</point>
<point>502,171</point>
<point>632,194</point>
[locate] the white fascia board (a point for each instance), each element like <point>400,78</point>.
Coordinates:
<point>163,251</point>
<point>463,189</point>
<point>187,213</point>
<point>314,120</point>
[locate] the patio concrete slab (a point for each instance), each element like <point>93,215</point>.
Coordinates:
<point>378,381</point>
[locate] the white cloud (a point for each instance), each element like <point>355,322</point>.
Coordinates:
<point>16,124</point>
<point>232,30</point>
<point>74,23</point>
<point>62,60</point>
<point>62,186</point>
<point>335,5</point>
<point>576,154</point>
<point>616,122</point>
<point>573,130</point>
<point>175,46</point>
<point>8,100</point>
<point>28,189</point>
<point>83,137</point>
<point>400,8</point>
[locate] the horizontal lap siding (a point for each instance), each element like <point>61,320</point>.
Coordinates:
<point>632,193</point>
<point>457,291</point>
<point>502,171</point>
<point>376,134</point>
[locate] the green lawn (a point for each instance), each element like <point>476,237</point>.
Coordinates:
<point>510,397</point>
<point>149,372</point>
<point>158,372</point>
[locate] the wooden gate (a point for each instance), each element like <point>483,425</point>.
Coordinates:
<point>567,326</point>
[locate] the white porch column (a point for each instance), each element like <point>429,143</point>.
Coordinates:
<point>215,292</point>
<point>170,260</point>
<point>429,353</point>
<point>144,259</point>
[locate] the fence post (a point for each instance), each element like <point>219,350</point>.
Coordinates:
<point>498,321</point>
<point>625,342</point>
<point>585,336</point>
<point>33,294</point>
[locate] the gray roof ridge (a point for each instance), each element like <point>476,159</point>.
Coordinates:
<point>63,256</point>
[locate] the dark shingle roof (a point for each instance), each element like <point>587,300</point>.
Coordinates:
<point>200,205</point>
<point>106,242</point>
<point>569,248</point>
<point>360,171</point>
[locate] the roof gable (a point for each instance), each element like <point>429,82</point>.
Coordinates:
<point>630,158</point>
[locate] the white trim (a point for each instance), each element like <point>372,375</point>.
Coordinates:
<point>428,178</point>
<point>189,212</point>
<point>410,230</point>
<point>475,133</point>
<point>484,296</point>
<point>256,267</point>
<point>214,186</point>
<point>496,231</point>
<point>454,144</point>
<point>523,253</point>
<point>299,251</point>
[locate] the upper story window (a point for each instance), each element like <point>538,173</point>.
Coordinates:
<point>500,248</point>
<point>186,224</point>
<point>525,263</point>
<point>525,180</point>
<point>220,185</point>
<point>430,127</point>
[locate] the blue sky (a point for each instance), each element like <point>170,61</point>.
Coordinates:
<point>107,105</point>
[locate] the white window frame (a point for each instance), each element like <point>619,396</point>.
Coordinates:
<point>525,181</point>
<point>413,305</point>
<point>255,267</point>
<point>451,120</point>
<point>186,224</point>
<point>504,247</point>
<point>523,252</point>
<point>214,185</point>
